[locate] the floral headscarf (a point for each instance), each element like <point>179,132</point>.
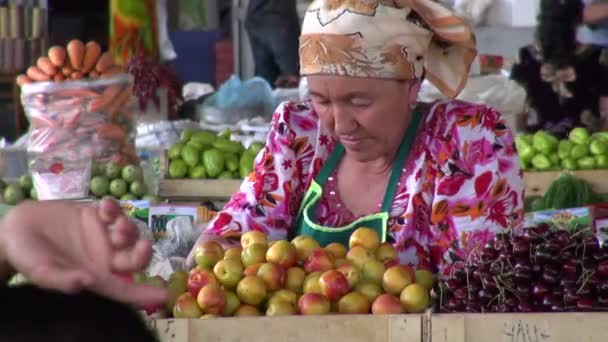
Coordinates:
<point>395,39</point>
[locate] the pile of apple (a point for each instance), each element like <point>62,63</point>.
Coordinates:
<point>299,277</point>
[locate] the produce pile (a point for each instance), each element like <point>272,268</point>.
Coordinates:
<point>123,183</point>
<point>567,191</point>
<point>539,270</point>
<point>17,192</point>
<point>581,151</point>
<point>297,277</point>
<point>205,155</point>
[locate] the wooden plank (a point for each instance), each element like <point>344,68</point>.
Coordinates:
<point>553,327</point>
<point>171,330</point>
<point>537,183</point>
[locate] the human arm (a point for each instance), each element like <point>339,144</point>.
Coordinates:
<point>479,187</point>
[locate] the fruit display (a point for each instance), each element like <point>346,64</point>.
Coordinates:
<point>539,270</point>
<point>16,192</point>
<point>542,151</point>
<point>123,183</point>
<point>298,278</point>
<point>567,191</point>
<point>206,155</point>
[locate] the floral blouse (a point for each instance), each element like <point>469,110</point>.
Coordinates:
<point>460,185</point>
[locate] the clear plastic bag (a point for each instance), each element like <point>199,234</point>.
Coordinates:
<point>73,123</point>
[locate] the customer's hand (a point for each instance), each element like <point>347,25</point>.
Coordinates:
<point>69,247</point>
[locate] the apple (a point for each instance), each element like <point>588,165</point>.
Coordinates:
<point>212,299</point>
<point>232,303</point>
<point>254,237</point>
<point>198,278</point>
<point>319,260</point>
<point>314,304</point>
<point>352,274</point>
<point>229,272</point>
<point>333,285</point>
<point>369,290</point>
<point>425,278</point>
<point>415,298</point>
<point>252,270</point>
<point>337,250</point>
<point>304,246</point>
<point>233,253</point>
<point>359,256</point>
<point>186,307</point>
<point>354,303</point>
<point>272,275</point>
<point>365,237</point>
<point>340,262</point>
<point>395,279</point>
<point>280,308</point>
<point>208,253</point>
<point>294,279</point>
<point>251,290</point>
<point>311,283</point>
<point>246,310</point>
<point>284,296</point>
<point>391,263</point>
<point>410,270</point>
<point>209,316</point>
<point>282,253</point>
<point>176,286</point>
<point>253,254</point>
<point>387,304</point>
<point>373,271</point>
<point>386,252</point>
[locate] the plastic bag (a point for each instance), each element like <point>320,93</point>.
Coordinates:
<point>73,123</point>
<point>237,100</point>
<point>178,240</point>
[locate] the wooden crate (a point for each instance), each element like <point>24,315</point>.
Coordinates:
<point>364,328</point>
<point>537,183</point>
<point>194,189</point>
<point>520,327</point>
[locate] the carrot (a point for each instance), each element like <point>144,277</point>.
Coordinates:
<point>91,55</point>
<point>59,77</point>
<point>23,79</point>
<point>67,71</point>
<point>111,131</point>
<point>77,93</point>
<point>104,99</point>
<point>76,75</point>
<point>105,62</point>
<point>45,64</point>
<point>76,53</point>
<point>57,56</point>
<point>36,74</point>
<point>113,71</point>
<point>119,102</point>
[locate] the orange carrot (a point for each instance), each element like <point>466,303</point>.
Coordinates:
<point>111,131</point>
<point>36,74</point>
<point>76,53</point>
<point>57,56</point>
<point>120,101</point>
<point>44,64</point>
<point>106,97</point>
<point>91,56</point>
<point>77,93</point>
<point>105,62</point>
<point>23,79</point>
<point>113,71</point>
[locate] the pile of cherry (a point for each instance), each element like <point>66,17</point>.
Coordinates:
<point>538,270</point>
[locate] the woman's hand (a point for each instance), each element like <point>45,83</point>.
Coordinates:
<point>69,248</point>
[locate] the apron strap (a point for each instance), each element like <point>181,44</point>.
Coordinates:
<point>402,155</point>
<point>330,164</point>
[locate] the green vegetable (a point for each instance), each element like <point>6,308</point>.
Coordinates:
<point>232,162</point>
<point>526,153</point>
<point>602,161</point>
<point>190,156</point>
<point>225,134</point>
<point>544,142</point>
<point>175,151</point>
<point>564,148</point>
<point>568,191</point>
<point>225,175</point>
<point>600,135</point>
<point>178,169</point>
<point>538,204</point>
<point>214,162</point>
<point>198,172</point>
<point>554,158</point>
<point>186,135</point>
<point>569,164</point>
<point>246,164</point>
<point>579,151</point>
<point>228,146</point>
<point>598,147</point>
<point>587,163</point>
<point>541,162</point>
<point>579,135</point>
<point>256,147</point>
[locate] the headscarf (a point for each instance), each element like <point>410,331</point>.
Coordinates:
<point>393,39</point>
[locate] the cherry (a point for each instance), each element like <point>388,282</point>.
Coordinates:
<point>452,284</point>
<point>540,290</point>
<point>461,294</point>
<point>454,304</point>
<point>522,276</point>
<point>512,302</point>
<point>489,254</point>
<point>489,283</point>
<point>496,268</point>
<point>501,308</point>
<point>525,307</point>
<point>591,245</point>
<point>551,247</point>
<point>602,301</point>
<point>602,288</point>
<point>561,237</point>
<point>558,308</point>
<point>569,268</point>
<point>485,296</point>
<point>523,291</point>
<point>584,304</point>
<point>458,272</point>
<point>568,281</point>
<point>602,269</point>
<point>543,228</point>
<point>521,247</point>
<point>549,301</point>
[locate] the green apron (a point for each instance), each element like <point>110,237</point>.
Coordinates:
<point>307,217</point>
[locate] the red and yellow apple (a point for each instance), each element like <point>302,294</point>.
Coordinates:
<point>304,246</point>
<point>232,303</point>
<point>280,308</point>
<point>295,279</point>
<point>253,254</point>
<point>387,304</point>
<point>233,253</point>
<point>229,272</point>
<point>359,256</point>
<point>352,274</point>
<point>284,296</point>
<point>354,303</point>
<point>311,283</point>
<point>212,299</point>
<point>340,262</point>
<point>209,316</point>
<point>282,253</point>
<point>314,304</point>
<point>333,285</point>
<point>254,237</point>
<point>365,237</point>
<point>251,290</point>
<point>425,278</point>
<point>337,250</point>
<point>386,252</point>
<point>395,279</point>
<point>208,253</point>
<point>198,278</point>
<point>369,290</point>
<point>252,270</point>
<point>415,298</point>
<point>373,272</point>
<point>177,284</point>
<point>391,263</point>
<point>319,260</point>
<point>246,310</point>
<point>186,307</point>
<point>272,275</point>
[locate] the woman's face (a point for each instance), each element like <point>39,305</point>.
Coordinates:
<point>368,116</point>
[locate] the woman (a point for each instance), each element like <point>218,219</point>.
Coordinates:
<point>435,180</point>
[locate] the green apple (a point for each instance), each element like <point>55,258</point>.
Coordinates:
<point>118,187</point>
<point>113,171</point>
<point>99,186</point>
<point>132,173</point>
